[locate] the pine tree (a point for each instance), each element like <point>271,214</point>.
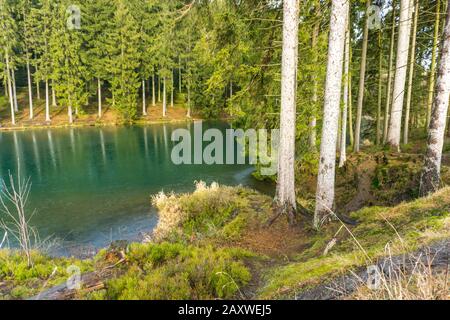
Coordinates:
<point>7,43</point>
<point>68,71</point>
<point>97,23</point>
<point>123,61</point>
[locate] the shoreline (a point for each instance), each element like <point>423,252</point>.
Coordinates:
<point>98,124</point>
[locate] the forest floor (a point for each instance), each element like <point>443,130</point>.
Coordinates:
<point>88,116</point>
<point>216,243</point>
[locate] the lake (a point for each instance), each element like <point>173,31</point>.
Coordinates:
<point>91,186</point>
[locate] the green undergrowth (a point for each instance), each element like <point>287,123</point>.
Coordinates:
<point>211,212</point>
<point>18,280</point>
<point>176,271</point>
<point>380,232</point>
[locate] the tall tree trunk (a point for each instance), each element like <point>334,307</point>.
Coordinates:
<point>69,111</point>
<point>380,85</point>
<point>164,99</point>
<point>30,89</point>
<point>16,105</point>
<point>10,89</point>
<point>153,90</point>
<point>47,102</point>
<point>434,54</point>
<point>327,164</point>
<point>179,75</point>
<point>53,94</point>
<point>390,72</point>
<point>362,81</point>
<point>286,176</point>
<point>172,89</point>
<point>343,155</point>
<point>411,74</point>
<point>315,84</point>
<point>144,102</point>
<point>430,179</point>
<point>189,98</point>
<point>99,93</point>
<point>395,123</point>
<point>159,89</point>
<point>350,94</point>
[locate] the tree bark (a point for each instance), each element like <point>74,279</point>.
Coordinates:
<point>164,99</point>
<point>411,74</point>
<point>343,155</point>
<point>389,83</point>
<point>16,105</point>
<point>47,102</point>
<point>30,89</point>
<point>395,123</point>
<point>153,90</point>
<point>327,164</point>
<point>430,179</point>
<point>313,121</point>
<point>286,199</point>
<point>99,89</point>
<point>10,89</point>
<point>380,85</point>
<point>144,102</point>
<point>362,81</point>
<point>433,62</point>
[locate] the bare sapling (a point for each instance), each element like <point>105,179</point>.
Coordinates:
<point>16,223</point>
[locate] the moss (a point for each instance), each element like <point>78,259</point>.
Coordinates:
<point>175,271</point>
<point>404,228</point>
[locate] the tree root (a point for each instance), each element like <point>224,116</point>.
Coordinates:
<point>293,214</point>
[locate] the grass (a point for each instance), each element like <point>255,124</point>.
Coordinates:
<point>404,228</point>
<point>175,271</point>
<point>18,281</point>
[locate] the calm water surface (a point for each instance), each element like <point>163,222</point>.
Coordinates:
<point>93,185</point>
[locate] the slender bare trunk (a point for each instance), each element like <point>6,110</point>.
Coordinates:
<point>362,81</point>
<point>153,90</point>
<point>16,105</point>
<point>411,74</point>
<point>430,179</point>
<point>395,123</point>
<point>30,89</point>
<point>286,175</point>
<point>99,93</point>
<point>144,102</point>
<point>327,164</point>
<point>434,54</point>
<point>389,81</point>
<point>343,155</point>
<point>164,98</point>
<point>315,84</point>
<point>47,102</point>
<point>10,89</point>
<point>172,89</point>
<point>380,86</point>
<point>53,94</point>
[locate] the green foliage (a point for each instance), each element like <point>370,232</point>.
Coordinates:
<point>28,281</point>
<point>176,272</point>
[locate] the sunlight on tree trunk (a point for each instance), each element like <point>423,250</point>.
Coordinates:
<point>401,68</point>
<point>286,176</point>
<point>431,176</point>
<point>327,163</point>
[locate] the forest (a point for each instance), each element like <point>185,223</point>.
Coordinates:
<point>93,95</point>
